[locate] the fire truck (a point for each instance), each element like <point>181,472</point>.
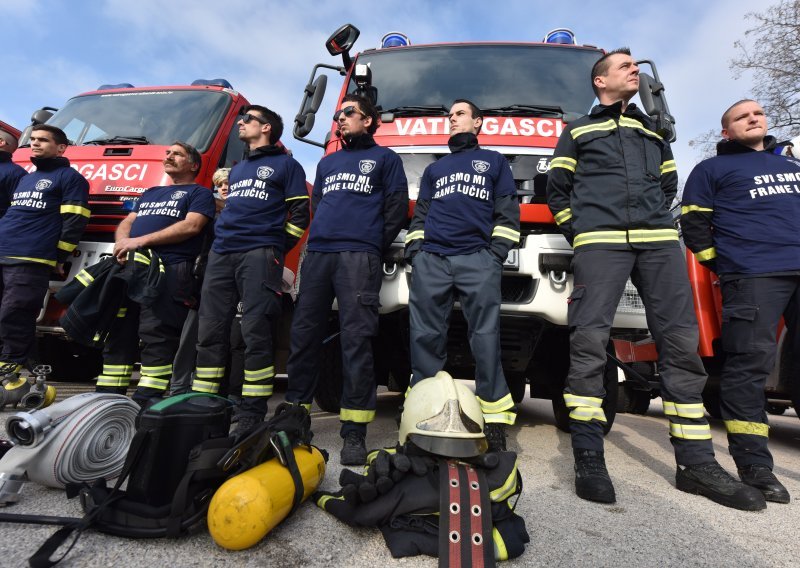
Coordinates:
<point>528,92</point>
<point>119,134</point>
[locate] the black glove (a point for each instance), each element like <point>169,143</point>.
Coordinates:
<point>394,256</point>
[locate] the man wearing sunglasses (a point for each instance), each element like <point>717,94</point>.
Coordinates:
<point>265,215</point>
<point>465,221</point>
<point>359,202</point>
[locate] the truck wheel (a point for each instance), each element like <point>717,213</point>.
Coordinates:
<point>516,385</point>
<point>776,409</point>
<point>329,387</point>
<point>391,352</point>
<point>631,400</point>
<point>609,406</point>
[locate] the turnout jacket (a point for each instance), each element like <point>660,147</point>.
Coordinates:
<point>612,180</point>
<point>48,213</point>
<point>407,512</point>
<point>267,204</point>
<point>741,211</point>
<point>10,174</point>
<point>99,293</point>
<point>360,198</point>
<point>467,202</point>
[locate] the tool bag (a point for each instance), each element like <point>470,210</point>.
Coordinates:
<point>181,454</point>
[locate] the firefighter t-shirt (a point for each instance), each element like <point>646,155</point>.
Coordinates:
<point>162,206</point>
<point>349,188</point>
<point>461,188</point>
<point>255,211</point>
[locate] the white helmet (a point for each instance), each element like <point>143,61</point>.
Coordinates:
<point>443,417</point>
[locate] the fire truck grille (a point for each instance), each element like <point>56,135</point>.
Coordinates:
<point>517,289</point>
<point>114,208</point>
<point>630,303</point>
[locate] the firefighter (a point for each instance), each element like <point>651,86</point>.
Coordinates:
<point>168,221</point>
<point>741,218</point>
<point>10,173</point>
<point>610,187</point>
<point>465,221</point>
<point>359,201</point>
<point>40,229</point>
<point>265,214</point>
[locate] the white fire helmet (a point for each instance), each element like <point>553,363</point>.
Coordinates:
<point>443,417</point>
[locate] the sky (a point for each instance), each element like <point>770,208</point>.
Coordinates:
<point>267,49</point>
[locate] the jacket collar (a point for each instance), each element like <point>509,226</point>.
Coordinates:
<point>463,141</point>
<point>726,147</point>
<point>50,164</point>
<point>269,150</point>
<point>615,110</point>
<point>5,156</point>
<point>358,142</point>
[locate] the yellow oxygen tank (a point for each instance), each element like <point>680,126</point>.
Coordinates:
<point>249,505</point>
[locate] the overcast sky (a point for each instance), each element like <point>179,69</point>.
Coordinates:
<point>54,49</point>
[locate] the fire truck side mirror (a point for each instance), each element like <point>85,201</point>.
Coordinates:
<point>342,40</point>
<point>42,115</point>
<point>312,100</point>
<point>651,93</point>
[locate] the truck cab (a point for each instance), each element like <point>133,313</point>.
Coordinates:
<point>528,92</point>
<point>119,135</point>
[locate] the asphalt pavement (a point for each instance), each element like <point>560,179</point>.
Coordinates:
<point>651,524</point>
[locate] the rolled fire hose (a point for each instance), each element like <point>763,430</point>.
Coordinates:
<point>80,439</point>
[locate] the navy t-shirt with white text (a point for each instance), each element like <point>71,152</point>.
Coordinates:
<point>162,206</point>
<point>255,210</point>
<point>349,191</point>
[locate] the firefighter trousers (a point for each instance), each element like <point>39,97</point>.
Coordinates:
<point>354,279</point>
<point>751,311</point>
<point>22,289</point>
<point>437,281</point>
<point>254,277</point>
<point>186,358</point>
<point>159,327</point>
<point>662,281</point>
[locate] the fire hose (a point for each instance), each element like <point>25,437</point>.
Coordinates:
<point>80,439</point>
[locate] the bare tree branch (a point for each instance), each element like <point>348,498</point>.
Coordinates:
<point>772,53</point>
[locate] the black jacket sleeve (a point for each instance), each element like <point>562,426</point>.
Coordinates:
<point>697,210</point>
<point>559,183</point>
<point>395,203</point>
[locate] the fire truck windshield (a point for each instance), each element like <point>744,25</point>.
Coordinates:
<point>505,77</point>
<point>143,117</point>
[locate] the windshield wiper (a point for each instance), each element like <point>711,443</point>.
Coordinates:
<point>118,140</point>
<point>525,110</point>
<point>417,110</point>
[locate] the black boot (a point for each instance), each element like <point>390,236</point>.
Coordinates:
<point>592,481</point>
<point>354,449</point>
<point>760,476</point>
<point>712,481</point>
<point>495,437</point>
<point>246,424</point>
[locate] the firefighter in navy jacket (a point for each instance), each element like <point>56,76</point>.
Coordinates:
<point>41,228</point>
<point>741,218</point>
<point>610,186</point>
<point>165,227</point>
<point>465,221</point>
<point>10,173</point>
<point>359,201</point>
<point>265,215</point>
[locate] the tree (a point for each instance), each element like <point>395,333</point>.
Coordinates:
<point>771,54</point>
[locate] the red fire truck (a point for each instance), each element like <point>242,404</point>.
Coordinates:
<point>119,134</point>
<point>528,91</point>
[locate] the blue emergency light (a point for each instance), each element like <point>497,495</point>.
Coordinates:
<point>395,39</point>
<point>563,36</point>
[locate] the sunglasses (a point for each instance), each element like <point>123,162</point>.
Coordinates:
<point>246,118</point>
<point>347,111</point>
